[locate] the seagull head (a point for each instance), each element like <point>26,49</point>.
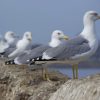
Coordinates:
<point>9,36</point>
<point>91,16</point>
<point>59,35</point>
<point>28,36</point>
<point>89,32</point>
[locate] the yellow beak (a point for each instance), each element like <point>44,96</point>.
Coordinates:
<point>98,17</point>
<point>30,39</point>
<point>65,37</point>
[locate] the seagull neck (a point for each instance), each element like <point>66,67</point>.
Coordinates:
<point>89,25</point>
<point>89,30</point>
<point>54,42</point>
<point>25,40</point>
<point>23,44</point>
<point>89,33</point>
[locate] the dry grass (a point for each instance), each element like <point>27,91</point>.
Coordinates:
<point>83,89</point>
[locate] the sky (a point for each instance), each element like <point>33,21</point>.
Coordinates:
<point>42,17</point>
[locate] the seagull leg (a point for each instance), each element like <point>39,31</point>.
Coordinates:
<point>73,69</point>
<point>76,67</point>
<point>45,74</point>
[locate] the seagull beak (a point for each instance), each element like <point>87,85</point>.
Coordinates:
<point>30,38</point>
<point>65,37</point>
<point>98,17</point>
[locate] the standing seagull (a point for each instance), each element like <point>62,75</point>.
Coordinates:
<point>27,57</point>
<point>79,48</point>
<point>9,40</point>
<point>22,45</point>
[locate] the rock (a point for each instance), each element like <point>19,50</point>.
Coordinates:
<point>83,89</point>
<point>20,83</point>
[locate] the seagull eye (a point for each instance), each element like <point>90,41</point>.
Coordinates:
<point>26,35</point>
<point>58,33</point>
<point>95,14</point>
<point>12,34</point>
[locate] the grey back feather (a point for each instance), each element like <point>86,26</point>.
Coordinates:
<point>36,52</point>
<point>70,48</point>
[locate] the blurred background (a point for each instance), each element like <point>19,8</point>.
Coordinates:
<point>41,17</point>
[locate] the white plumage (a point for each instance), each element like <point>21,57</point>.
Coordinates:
<point>22,44</point>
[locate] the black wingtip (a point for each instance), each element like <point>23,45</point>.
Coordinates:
<point>41,59</point>
<point>2,54</point>
<point>38,58</point>
<point>10,62</point>
<point>32,61</point>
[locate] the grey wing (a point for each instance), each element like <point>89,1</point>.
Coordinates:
<point>8,51</point>
<point>32,46</point>
<point>22,59</point>
<point>32,54</point>
<point>66,51</point>
<point>78,40</point>
<point>38,51</point>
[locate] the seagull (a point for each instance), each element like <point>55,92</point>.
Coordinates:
<point>9,40</point>
<point>29,56</point>
<point>21,45</point>
<point>78,48</point>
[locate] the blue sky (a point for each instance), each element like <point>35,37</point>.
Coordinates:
<point>41,17</point>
